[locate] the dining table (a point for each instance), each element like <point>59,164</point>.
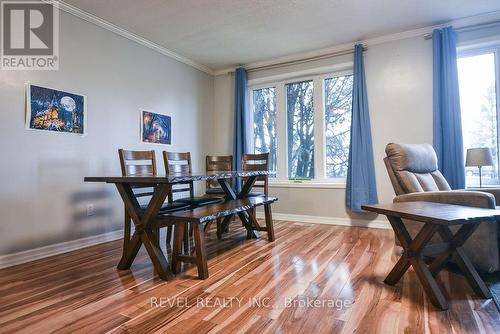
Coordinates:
<point>143,217</point>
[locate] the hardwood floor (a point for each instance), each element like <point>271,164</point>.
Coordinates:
<point>341,268</point>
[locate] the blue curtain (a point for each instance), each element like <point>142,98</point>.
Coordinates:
<point>241,120</point>
<point>360,188</point>
<point>448,141</point>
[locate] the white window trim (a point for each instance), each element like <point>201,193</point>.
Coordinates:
<point>281,180</point>
<point>472,49</point>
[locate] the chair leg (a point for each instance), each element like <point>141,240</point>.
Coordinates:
<point>207,226</point>
<point>157,233</point>
<point>126,232</point>
<point>169,236</point>
<point>219,222</point>
<point>186,237</point>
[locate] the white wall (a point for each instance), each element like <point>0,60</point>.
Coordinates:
<point>43,198</point>
<point>399,83</point>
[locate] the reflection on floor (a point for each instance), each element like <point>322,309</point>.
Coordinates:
<point>313,279</point>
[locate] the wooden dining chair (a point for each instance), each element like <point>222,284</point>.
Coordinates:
<point>257,162</point>
<point>217,163</point>
<point>213,188</point>
<point>143,163</point>
<point>181,163</point>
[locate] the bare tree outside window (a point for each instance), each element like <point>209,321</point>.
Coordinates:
<point>338,105</point>
<point>264,123</point>
<point>300,129</point>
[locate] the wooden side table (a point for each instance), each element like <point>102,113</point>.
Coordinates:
<point>436,217</point>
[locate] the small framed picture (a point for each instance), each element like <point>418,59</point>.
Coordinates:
<point>156,128</point>
<point>55,110</point>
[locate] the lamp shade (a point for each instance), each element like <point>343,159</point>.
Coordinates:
<point>479,157</point>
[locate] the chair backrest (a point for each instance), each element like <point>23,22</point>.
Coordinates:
<point>138,163</point>
<point>179,163</point>
<point>413,168</point>
<point>257,162</point>
<point>218,163</point>
<point>135,163</point>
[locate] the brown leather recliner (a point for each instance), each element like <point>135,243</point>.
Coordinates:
<point>414,174</point>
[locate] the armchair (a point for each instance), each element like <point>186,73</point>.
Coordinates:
<point>414,174</point>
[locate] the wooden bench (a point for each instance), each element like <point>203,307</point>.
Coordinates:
<point>205,214</point>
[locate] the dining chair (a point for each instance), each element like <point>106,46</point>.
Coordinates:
<point>143,163</point>
<point>217,163</point>
<point>181,163</point>
<point>213,189</point>
<point>257,162</point>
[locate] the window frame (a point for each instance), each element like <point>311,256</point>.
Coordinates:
<point>320,179</point>
<point>472,50</point>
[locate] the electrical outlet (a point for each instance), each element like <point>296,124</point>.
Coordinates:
<point>90,210</point>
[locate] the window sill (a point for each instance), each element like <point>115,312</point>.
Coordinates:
<point>306,184</point>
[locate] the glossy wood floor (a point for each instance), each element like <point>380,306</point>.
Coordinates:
<point>341,267</point>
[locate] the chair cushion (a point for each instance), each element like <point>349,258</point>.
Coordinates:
<point>169,207</point>
<point>199,201</point>
<point>255,194</point>
<point>215,191</point>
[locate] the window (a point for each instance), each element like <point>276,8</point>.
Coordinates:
<point>264,123</point>
<point>478,77</point>
<point>338,106</point>
<point>305,126</point>
<point>300,129</point>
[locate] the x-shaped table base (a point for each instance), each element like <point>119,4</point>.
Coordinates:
<point>246,219</point>
<point>143,233</point>
<point>415,249</point>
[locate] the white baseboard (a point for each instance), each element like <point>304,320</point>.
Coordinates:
<point>13,259</point>
<point>330,220</point>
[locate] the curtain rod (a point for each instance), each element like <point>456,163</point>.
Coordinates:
<point>303,60</point>
<point>468,28</point>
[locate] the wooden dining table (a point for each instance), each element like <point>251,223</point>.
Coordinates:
<point>144,218</point>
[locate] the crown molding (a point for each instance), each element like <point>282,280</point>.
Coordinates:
<point>75,11</point>
<point>465,23</point>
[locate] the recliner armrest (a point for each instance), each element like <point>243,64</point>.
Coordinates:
<point>477,199</point>
<point>494,191</point>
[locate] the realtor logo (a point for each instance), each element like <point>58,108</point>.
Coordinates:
<point>30,35</point>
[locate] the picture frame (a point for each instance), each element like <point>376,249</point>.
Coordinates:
<point>155,128</point>
<point>55,110</point>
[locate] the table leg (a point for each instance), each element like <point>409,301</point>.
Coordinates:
<point>456,241</point>
<point>144,233</point>
<point>150,240</point>
<point>430,285</point>
<point>412,256</point>
<point>461,236</point>
<point>130,252</point>
<point>231,195</point>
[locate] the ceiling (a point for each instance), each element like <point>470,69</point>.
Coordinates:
<point>224,33</point>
